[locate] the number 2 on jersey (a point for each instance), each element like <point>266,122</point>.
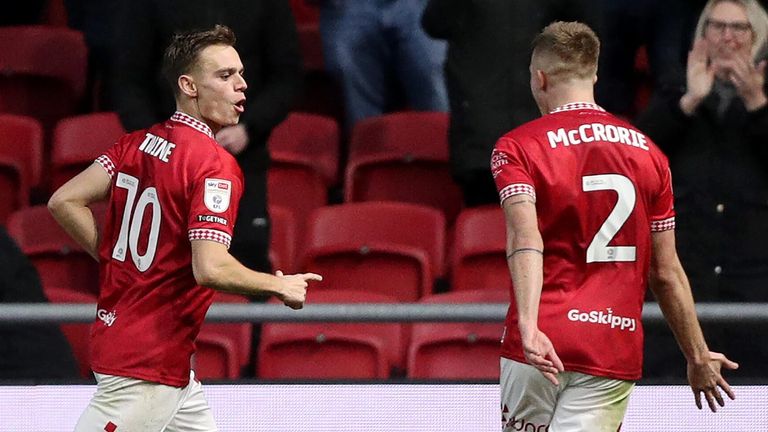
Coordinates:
<point>130,227</point>
<point>598,250</point>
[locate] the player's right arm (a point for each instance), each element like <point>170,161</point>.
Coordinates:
<point>69,206</point>
<point>214,267</point>
<point>525,249</point>
<point>673,292</point>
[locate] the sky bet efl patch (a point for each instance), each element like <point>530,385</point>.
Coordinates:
<point>217,193</point>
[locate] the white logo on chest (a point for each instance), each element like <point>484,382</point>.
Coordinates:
<point>108,317</point>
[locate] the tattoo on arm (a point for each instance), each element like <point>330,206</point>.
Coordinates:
<point>523,201</point>
<point>521,250</point>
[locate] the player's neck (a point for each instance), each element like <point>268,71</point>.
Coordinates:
<point>191,109</point>
<point>566,94</point>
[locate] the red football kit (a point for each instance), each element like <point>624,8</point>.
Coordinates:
<point>171,183</point>
<point>601,187</point>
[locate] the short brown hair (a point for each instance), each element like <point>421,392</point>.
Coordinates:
<point>570,50</point>
<point>181,55</point>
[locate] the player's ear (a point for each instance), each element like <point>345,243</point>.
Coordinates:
<point>541,80</point>
<point>594,79</point>
<point>187,85</point>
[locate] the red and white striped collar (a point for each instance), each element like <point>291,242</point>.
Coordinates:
<point>192,122</point>
<point>577,106</point>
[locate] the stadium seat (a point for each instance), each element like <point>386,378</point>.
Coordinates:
<point>332,350</point>
<point>283,239</point>
<point>44,71</point>
<point>479,249</point>
<point>238,335</point>
<point>402,157</point>
<point>457,350</point>
<point>78,335</point>
<point>215,357</point>
<point>390,248</point>
<point>21,159</point>
<point>79,140</point>
<point>60,261</point>
<point>307,19</point>
<point>304,152</point>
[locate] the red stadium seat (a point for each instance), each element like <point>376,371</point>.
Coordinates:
<point>307,19</point>
<point>78,335</point>
<point>21,159</point>
<point>304,150</point>
<point>238,334</point>
<point>332,350</point>
<point>79,140</point>
<point>44,71</point>
<point>390,248</point>
<point>402,157</point>
<point>479,249</point>
<point>216,357</point>
<point>283,239</point>
<point>457,350</point>
<point>59,260</point>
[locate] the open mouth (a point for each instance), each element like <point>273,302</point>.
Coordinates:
<point>240,106</point>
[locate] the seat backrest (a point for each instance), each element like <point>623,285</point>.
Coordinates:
<point>78,335</point>
<point>457,350</point>
<point>21,159</point>
<point>402,157</point>
<point>239,333</point>
<point>307,140</point>
<point>79,140</point>
<point>59,260</point>
<point>332,350</point>
<point>43,71</point>
<point>283,239</point>
<point>391,248</point>
<point>216,357</point>
<point>45,51</point>
<point>479,245</point>
<point>412,135</point>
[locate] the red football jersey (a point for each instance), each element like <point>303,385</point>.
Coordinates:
<point>171,183</point>
<point>601,187</point>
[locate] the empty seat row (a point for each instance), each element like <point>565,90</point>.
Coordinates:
<point>391,248</point>
<point>336,350</point>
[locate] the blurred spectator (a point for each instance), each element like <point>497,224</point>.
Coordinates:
<point>96,19</point>
<point>376,50</point>
<point>663,27</point>
<point>268,46</point>
<point>486,73</point>
<point>28,351</point>
<point>715,131</point>
<point>23,13</point>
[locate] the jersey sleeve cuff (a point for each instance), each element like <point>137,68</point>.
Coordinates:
<point>663,225</point>
<point>517,189</point>
<point>107,164</point>
<point>210,234</point>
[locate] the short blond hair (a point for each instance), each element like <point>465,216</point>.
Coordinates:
<point>567,50</point>
<point>758,19</point>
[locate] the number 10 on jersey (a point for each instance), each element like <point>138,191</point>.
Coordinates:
<point>130,227</point>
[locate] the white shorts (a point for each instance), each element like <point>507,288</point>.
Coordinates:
<point>123,404</point>
<point>529,402</point>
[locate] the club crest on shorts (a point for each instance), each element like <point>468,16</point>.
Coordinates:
<point>217,193</point>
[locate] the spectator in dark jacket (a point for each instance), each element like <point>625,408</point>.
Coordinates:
<point>486,74</point>
<point>715,132</point>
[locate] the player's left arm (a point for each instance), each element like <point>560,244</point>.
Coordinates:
<point>525,258</point>
<point>69,206</point>
<point>669,284</point>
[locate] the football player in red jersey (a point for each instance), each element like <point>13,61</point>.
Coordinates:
<point>173,195</point>
<point>588,205</point>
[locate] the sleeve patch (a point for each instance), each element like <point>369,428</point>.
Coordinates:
<point>217,194</point>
